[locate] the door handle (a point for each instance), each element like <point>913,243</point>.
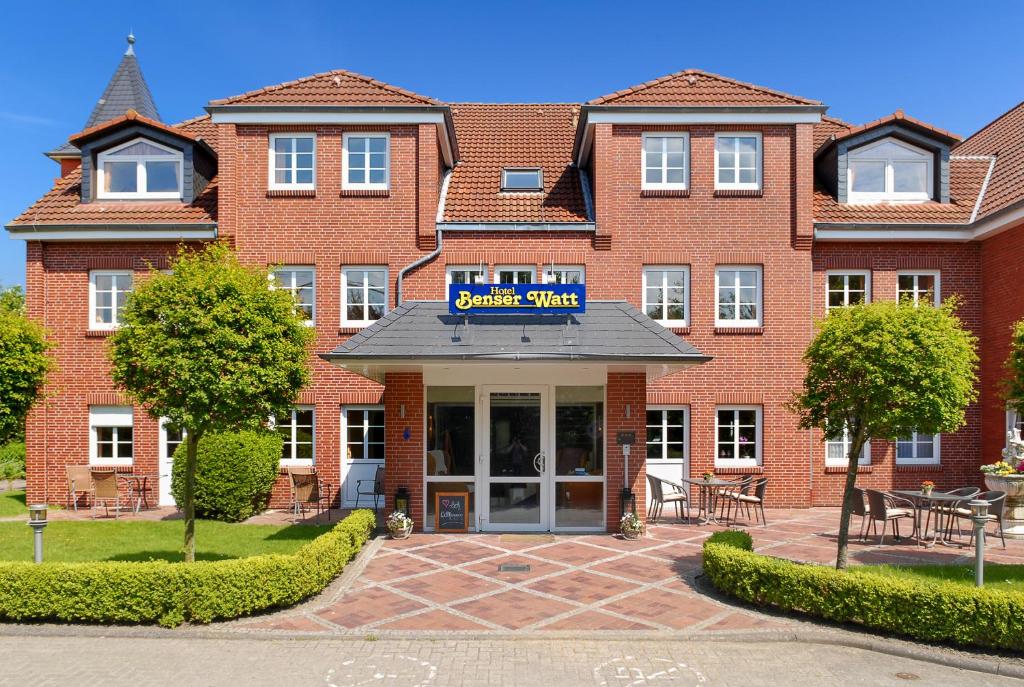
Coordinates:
<point>539,461</point>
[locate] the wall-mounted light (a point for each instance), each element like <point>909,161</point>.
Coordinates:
<point>628,410</point>
<point>401,410</point>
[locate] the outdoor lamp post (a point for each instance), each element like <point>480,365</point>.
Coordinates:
<point>979,515</point>
<point>402,500</point>
<point>627,500</point>
<point>37,521</point>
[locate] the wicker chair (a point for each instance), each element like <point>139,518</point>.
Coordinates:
<point>860,507</point>
<point>307,489</point>
<point>659,498</point>
<point>79,482</point>
<point>754,501</point>
<point>948,510</point>
<point>730,495</point>
<point>885,508</point>
<point>105,489</point>
<point>996,503</point>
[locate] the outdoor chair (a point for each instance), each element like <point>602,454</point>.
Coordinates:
<point>730,495</point>
<point>860,507</point>
<point>377,490</point>
<point>307,489</point>
<point>105,489</point>
<point>885,508</point>
<point>996,503</point>
<point>949,509</point>
<point>79,482</point>
<point>753,500</point>
<point>659,498</point>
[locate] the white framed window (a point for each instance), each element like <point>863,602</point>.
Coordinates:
<point>297,429</point>
<point>365,295</point>
<point>292,162</point>
<point>837,449</point>
<point>666,161</point>
<point>739,296</point>
<point>889,170</point>
<point>300,282</point>
<point>563,274</point>
<point>365,161</point>
<point>667,294</point>
<point>108,292</point>
<point>515,274</point>
<point>668,432</point>
<point>363,429</point>
<point>918,449</point>
<point>140,168</point>
<point>110,435</point>
<point>918,287</point>
<point>738,436</point>
<point>847,287</point>
<point>171,437</point>
<point>738,161</point>
<point>522,179</point>
<point>465,274</point>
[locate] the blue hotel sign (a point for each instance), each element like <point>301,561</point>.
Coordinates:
<point>517,299</point>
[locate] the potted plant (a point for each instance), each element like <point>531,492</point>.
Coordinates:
<point>1008,475</point>
<point>631,526</point>
<point>927,486</point>
<point>708,475</point>
<point>399,525</point>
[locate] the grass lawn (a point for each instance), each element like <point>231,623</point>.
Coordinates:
<point>12,504</point>
<point>149,540</point>
<point>1006,578</point>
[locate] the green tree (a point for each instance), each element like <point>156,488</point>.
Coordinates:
<point>885,370</point>
<point>1013,387</point>
<point>23,363</point>
<point>210,347</point>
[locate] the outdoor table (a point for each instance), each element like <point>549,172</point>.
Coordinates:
<point>708,497</point>
<point>934,499</point>
<point>137,486</point>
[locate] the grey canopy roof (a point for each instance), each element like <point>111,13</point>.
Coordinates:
<point>127,90</point>
<point>610,331</point>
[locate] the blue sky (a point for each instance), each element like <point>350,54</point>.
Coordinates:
<point>955,64</point>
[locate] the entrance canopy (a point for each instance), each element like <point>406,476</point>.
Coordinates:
<point>419,334</point>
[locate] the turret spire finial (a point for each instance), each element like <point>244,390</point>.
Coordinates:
<point>131,44</point>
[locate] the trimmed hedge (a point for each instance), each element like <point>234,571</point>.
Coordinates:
<point>931,611</point>
<point>235,472</point>
<point>173,593</point>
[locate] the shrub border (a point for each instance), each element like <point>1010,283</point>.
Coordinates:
<point>174,593</point>
<point>931,611</point>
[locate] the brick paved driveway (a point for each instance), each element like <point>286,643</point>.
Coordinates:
<point>486,583</point>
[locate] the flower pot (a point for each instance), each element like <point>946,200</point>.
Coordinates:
<point>927,490</point>
<point>401,533</point>
<point>1013,510</point>
<point>631,534</point>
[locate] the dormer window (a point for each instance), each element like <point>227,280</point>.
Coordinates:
<point>139,169</point>
<point>890,171</point>
<point>522,179</point>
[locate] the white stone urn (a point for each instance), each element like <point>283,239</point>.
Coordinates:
<point>1013,510</point>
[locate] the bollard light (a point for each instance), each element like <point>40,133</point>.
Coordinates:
<point>979,515</point>
<point>37,521</point>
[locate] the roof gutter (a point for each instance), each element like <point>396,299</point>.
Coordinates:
<point>113,232</point>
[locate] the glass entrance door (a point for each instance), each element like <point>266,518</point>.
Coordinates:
<point>515,439</point>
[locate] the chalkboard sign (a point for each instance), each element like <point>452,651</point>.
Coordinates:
<point>451,511</point>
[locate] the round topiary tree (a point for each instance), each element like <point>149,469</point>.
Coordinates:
<point>24,362</point>
<point>211,348</point>
<point>235,472</point>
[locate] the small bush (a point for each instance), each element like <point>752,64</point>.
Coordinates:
<point>930,611</point>
<point>737,538</point>
<point>12,460</point>
<point>235,472</point>
<point>173,593</point>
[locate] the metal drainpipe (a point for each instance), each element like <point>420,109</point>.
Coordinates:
<point>439,239</point>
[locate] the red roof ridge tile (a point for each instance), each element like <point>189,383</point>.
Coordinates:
<point>995,122</point>
<point>235,99</point>
<point>700,72</point>
<point>897,116</point>
<point>129,116</point>
<point>192,120</point>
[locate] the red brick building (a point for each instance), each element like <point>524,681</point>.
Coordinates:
<point>711,222</point>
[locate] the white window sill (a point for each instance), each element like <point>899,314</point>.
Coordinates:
<point>664,187</point>
<point>138,196</point>
<point>916,461</point>
<point>117,463</point>
<point>291,187</point>
<point>737,463</point>
<point>734,324</point>
<point>297,463</point>
<point>673,324</point>
<point>365,187</point>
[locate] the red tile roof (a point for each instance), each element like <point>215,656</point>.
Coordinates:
<point>1004,138</point>
<point>338,87</point>
<point>129,116</point>
<point>697,87</point>
<point>514,135</point>
<point>966,177</point>
<point>899,117</point>
<point>62,204</point>
<point>827,128</point>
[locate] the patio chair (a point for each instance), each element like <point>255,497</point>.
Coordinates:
<point>377,491</point>
<point>754,500</point>
<point>996,503</point>
<point>659,498</point>
<point>78,483</point>
<point>861,508</point>
<point>105,489</point>
<point>885,508</point>
<point>949,509</point>
<point>730,495</point>
<point>307,489</point>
